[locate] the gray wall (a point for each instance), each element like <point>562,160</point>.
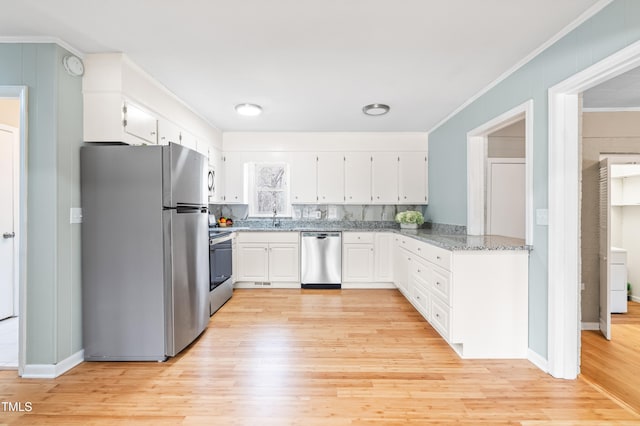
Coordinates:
<point>54,135</point>
<point>602,133</point>
<point>616,26</point>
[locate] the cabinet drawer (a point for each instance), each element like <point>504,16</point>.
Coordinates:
<point>440,317</point>
<point>421,301</point>
<point>440,257</point>
<point>441,284</point>
<point>357,237</point>
<point>268,237</point>
<point>421,273</point>
<point>437,255</point>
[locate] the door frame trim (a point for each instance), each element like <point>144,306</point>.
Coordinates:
<point>21,93</point>
<point>564,208</point>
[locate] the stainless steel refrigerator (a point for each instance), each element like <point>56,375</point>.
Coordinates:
<point>145,250</point>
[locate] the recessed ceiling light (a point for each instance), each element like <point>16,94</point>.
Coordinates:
<point>249,110</point>
<point>376,109</point>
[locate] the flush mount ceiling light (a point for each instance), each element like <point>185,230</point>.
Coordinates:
<point>375,109</point>
<point>249,110</point>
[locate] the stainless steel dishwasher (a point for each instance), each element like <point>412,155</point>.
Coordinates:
<point>321,259</point>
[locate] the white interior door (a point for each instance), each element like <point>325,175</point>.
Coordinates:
<point>8,137</point>
<point>506,197</point>
<point>605,248</point>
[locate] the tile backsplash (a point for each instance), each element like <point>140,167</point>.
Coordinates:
<point>323,212</point>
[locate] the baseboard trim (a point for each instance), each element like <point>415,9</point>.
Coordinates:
<point>368,286</point>
<point>635,299</point>
<point>590,326</point>
<point>537,360</point>
<point>51,371</point>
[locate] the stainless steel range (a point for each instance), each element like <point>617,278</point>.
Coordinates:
<point>220,268</point>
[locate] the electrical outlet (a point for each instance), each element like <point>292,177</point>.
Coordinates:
<point>332,213</point>
<point>582,286</point>
<point>318,214</point>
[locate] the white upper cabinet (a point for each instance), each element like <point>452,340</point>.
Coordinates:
<point>202,146</point>
<point>330,177</point>
<point>384,177</point>
<point>168,132</point>
<point>189,140</point>
<point>357,177</point>
<point>303,178</point>
<point>235,187</point>
<point>123,104</point>
<point>412,178</point>
<point>140,123</point>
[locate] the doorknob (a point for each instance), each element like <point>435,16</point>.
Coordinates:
<point>8,235</point>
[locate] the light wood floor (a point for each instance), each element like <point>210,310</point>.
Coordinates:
<point>313,357</point>
<point>615,365</point>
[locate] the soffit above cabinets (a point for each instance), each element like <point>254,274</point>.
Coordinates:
<point>312,65</point>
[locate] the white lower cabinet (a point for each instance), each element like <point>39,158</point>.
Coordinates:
<point>253,264</point>
<point>283,262</point>
<point>357,263</point>
<point>367,260</point>
<point>268,259</point>
<point>476,299</point>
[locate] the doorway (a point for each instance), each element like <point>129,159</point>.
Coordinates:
<point>13,227</point>
<point>506,187</point>
<point>9,193</point>
<point>500,175</point>
<point>564,275</point>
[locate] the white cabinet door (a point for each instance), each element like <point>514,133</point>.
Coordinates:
<point>189,140</point>
<point>234,178</point>
<point>401,262</point>
<point>202,146</point>
<point>140,124</point>
<point>412,173</point>
<point>384,177</point>
<point>357,263</point>
<point>383,257</point>
<point>303,178</point>
<point>168,132</point>
<point>253,262</point>
<point>283,262</point>
<point>357,177</point>
<point>330,177</point>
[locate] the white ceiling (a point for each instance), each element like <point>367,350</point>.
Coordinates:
<point>311,64</point>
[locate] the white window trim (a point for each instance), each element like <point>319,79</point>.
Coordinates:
<point>253,201</point>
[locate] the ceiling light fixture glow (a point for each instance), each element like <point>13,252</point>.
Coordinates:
<point>249,110</point>
<point>376,109</point>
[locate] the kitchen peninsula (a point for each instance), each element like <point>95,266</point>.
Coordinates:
<point>472,289</point>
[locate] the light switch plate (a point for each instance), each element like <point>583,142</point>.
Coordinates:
<point>332,213</point>
<point>542,217</point>
<point>75,215</point>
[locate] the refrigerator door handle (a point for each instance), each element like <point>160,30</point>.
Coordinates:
<point>188,209</point>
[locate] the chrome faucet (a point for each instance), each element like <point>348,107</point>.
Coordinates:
<point>276,221</point>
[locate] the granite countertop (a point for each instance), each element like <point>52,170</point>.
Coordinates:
<point>446,238</point>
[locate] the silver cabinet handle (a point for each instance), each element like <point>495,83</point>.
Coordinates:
<point>8,235</point>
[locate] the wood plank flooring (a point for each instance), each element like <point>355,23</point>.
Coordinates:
<point>312,357</point>
<point>615,365</point>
